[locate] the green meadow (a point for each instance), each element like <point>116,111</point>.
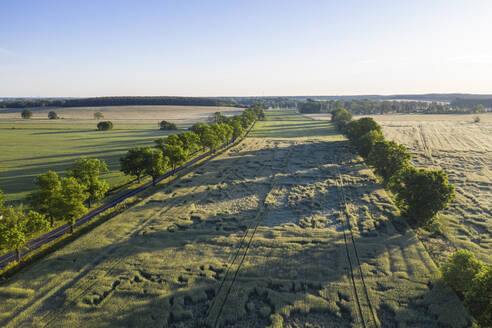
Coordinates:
<point>288,124</point>
<point>31,147</point>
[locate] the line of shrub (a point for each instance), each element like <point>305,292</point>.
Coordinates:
<point>420,193</point>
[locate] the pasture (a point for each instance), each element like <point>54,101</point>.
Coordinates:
<point>286,229</point>
<point>33,146</point>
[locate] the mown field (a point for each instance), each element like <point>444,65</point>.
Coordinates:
<point>463,149</point>
<point>283,230</point>
<point>30,147</point>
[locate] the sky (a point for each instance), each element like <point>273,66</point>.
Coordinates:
<point>73,48</point>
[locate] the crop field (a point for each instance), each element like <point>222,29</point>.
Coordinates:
<point>30,147</point>
<point>282,230</point>
<point>463,149</point>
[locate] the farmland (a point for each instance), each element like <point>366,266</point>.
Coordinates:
<point>30,147</point>
<point>287,229</point>
<point>463,149</point>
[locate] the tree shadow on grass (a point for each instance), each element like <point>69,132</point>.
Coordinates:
<point>169,270</point>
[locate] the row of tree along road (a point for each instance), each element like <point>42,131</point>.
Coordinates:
<point>68,198</point>
<point>421,194</point>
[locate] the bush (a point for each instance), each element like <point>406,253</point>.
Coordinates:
<point>478,299</point>
<point>460,269</point>
<point>165,125</point>
<point>366,143</point>
<point>356,129</point>
<point>421,193</point>
<point>388,158</point>
<point>105,125</point>
<point>340,117</point>
<point>26,114</point>
<point>52,115</point>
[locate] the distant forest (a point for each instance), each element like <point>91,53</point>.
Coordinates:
<point>371,107</point>
<point>359,104</point>
<point>115,101</point>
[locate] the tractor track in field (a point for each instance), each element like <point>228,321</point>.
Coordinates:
<point>243,250</point>
<point>110,267</point>
<point>349,241</point>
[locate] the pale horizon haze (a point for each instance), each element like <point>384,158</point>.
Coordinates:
<point>243,48</point>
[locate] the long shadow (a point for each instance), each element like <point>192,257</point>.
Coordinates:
<point>287,263</point>
<point>64,131</point>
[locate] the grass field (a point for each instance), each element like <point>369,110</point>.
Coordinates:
<point>30,147</point>
<point>258,236</point>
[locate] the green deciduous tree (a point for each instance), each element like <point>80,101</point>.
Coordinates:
<point>356,129</point>
<point>366,142</point>
<point>165,125</point>
<point>478,299</point>
<point>87,172</point>
<point>104,125</point>
<point>98,115</point>
<point>14,238</point>
<point>209,139</point>
<point>70,204</point>
<point>2,202</point>
<point>388,158</point>
<point>36,222</point>
<point>218,117</point>
<point>190,141</point>
<point>176,155</point>
<point>26,114</point>
<point>340,117</point>
<point>460,269</point>
<point>199,128</point>
<point>237,128</point>
<point>16,224</point>
<point>421,193</point>
<point>170,140</point>
<point>133,163</point>
<point>52,115</point>
<point>44,199</point>
<point>155,163</point>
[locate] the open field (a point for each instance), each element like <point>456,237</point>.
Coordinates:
<point>463,149</point>
<point>31,147</point>
<point>283,232</point>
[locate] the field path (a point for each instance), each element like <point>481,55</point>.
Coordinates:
<point>252,238</point>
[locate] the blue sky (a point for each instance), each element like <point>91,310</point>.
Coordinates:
<point>225,48</point>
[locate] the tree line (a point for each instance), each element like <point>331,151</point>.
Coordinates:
<point>68,198</point>
<point>372,107</point>
<point>421,194</point>
<point>359,105</point>
<point>57,198</point>
<point>116,101</point>
<point>175,149</point>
